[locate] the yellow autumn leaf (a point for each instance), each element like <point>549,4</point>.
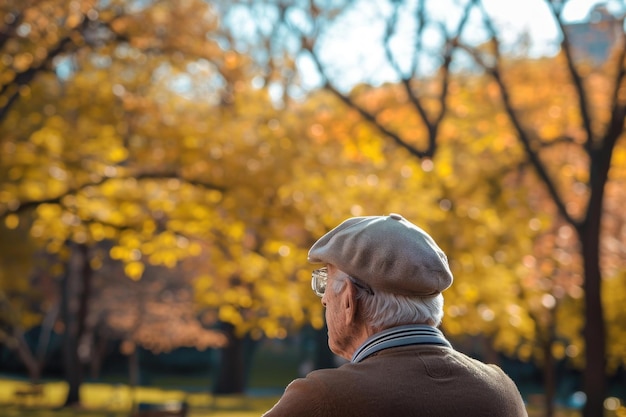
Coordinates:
<point>134,270</point>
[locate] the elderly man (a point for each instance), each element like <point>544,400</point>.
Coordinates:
<point>381,286</point>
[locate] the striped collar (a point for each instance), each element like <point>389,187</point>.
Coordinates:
<point>411,334</point>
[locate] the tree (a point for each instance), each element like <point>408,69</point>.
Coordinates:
<point>155,313</point>
<point>23,307</point>
<point>157,161</point>
<point>200,151</point>
<point>84,156</point>
<point>597,137</point>
<point>251,281</point>
<point>423,66</point>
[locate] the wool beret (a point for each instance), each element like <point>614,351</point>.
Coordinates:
<point>388,253</point>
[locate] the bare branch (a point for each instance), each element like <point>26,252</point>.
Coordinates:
<point>618,110</point>
<point>26,76</point>
<point>368,116</point>
<point>452,44</point>
<point>432,123</point>
<point>420,17</point>
<point>530,146</point>
<point>406,80</point>
<point>583,103</point>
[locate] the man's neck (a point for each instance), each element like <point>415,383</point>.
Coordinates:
<point>411,334</point>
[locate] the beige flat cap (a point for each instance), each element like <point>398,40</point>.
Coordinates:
<point>388,253</point>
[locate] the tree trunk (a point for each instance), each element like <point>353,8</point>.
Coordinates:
<point>231,372</point>
<point>594,373</point>
<point>70,334</point>
<point>549,377</point>
<point>100,347</point>
<point>133,375</point>
<point>29,360</point>
<point>133,368</point>
<point>34,360</point>
<point>47,327</point>
<point>75,295</point>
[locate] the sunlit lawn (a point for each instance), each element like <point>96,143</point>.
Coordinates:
<point>116,400</point>
<point>105,400</point>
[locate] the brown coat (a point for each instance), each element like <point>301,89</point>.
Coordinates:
<point>416,380</point>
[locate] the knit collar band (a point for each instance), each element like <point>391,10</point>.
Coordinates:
<point>411,334</point>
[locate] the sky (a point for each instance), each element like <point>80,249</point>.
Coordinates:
<point>534,16</point>
<point>526,10</point>
<point>352,47</point>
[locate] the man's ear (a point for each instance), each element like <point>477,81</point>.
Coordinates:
<point>349,302</point>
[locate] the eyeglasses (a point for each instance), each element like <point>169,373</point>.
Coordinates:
<point>319,278</point>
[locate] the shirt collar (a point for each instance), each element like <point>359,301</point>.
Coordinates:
<point>411,334</point>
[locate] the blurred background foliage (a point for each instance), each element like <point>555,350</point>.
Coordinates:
<point>165,166</point>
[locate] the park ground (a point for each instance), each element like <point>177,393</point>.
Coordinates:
<point>111,396</point>
<point>116,400</point>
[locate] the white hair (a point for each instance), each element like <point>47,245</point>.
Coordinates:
<point>383,310</point>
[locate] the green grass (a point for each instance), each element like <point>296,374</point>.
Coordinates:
<point>275,368</point>
<point>116,400</point>
<point>106,400</point>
